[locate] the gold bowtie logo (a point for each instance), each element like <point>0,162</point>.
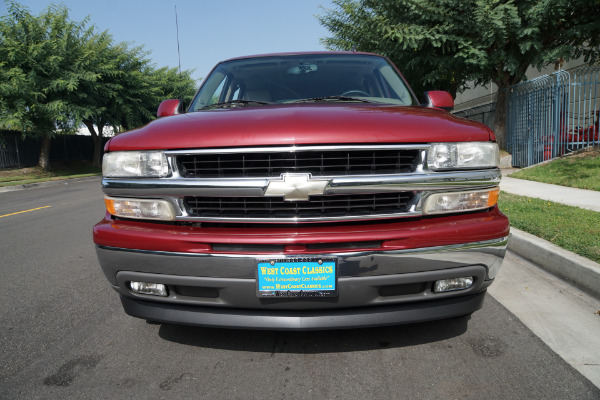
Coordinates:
<point>295,187</point>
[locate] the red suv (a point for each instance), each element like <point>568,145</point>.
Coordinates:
<point>302,191</point>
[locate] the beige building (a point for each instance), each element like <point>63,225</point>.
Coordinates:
<point>479,103</point>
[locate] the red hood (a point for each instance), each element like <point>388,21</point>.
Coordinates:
<point>301,124</point>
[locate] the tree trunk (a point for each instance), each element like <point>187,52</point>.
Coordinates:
<point>44,160</point>
<point>98,149</point>
<point>504,82</point>
<point>97,140</point>
<point>500,116</point>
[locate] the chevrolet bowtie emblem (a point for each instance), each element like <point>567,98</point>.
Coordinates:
<point>295,187</point>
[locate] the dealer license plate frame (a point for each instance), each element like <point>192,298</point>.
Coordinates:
<point>308,275</point>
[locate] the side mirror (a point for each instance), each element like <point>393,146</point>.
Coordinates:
<point>169,107</point>
<point>439,99</point>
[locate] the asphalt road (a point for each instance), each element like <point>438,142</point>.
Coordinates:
<point>63,334</point>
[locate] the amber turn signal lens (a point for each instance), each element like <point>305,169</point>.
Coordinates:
<point>493,199</point>
<point>110,205</point>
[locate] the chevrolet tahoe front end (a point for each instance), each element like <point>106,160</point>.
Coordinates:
<point>302,191</point>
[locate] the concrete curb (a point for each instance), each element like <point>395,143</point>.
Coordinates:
<point>506,161</point>
<point>45,184</point>
<point>581,272</point>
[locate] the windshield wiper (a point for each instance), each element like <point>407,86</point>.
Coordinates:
<point>235,103</point>
<point>332,99</point>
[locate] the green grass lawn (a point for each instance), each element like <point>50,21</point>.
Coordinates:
<point>571,228</point>
<point>580,171</point>
<point>24,176</point>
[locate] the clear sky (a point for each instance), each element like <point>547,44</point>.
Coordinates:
<point>209,31</point>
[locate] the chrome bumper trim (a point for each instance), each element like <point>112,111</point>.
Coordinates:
<point>352,264</point>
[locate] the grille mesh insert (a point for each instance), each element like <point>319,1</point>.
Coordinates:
<point>318,163</point>
<point>356,205</point>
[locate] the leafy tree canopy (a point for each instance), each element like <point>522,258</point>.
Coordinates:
<point>129,91</point>
<point>40,61</point>
<point>56,74</point>
<point>445,44</point>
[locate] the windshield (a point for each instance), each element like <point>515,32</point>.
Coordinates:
<point>302,78</point>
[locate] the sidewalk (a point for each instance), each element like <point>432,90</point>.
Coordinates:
<point>578,270</point>
<point>64,181</point>
<point>588,199</point>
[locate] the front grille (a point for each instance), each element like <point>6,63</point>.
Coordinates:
<point>336,206</point>
<point>317,162</point>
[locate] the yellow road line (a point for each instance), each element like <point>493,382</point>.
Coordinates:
<point>21,212</point>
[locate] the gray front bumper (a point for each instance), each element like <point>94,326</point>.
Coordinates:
<point>346,318</point>
<point>213,286</point>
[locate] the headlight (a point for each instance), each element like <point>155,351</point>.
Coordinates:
<point>140,208</point>
<point>143,164</point>
<point>444,156</point>
<point>440,203</point>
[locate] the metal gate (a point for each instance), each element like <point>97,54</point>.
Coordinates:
<point>553,115</point>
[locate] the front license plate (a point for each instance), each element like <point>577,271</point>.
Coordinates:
<point>297,277</point>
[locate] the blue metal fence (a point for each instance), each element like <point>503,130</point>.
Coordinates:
<point>553,115</point>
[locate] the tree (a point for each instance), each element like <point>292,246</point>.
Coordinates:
<point>448,43</point>
<point>56,74</point>
<point>41,63</point>
<point>128,91</point>
<point>175,85</point>
<point>122,94</point>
